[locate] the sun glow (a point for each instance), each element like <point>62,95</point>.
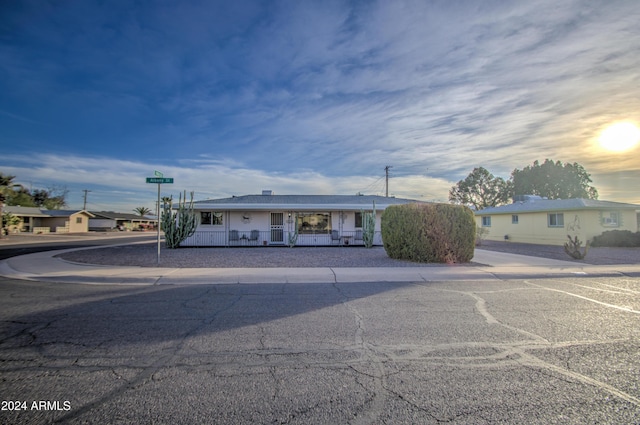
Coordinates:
<point>620,137</point>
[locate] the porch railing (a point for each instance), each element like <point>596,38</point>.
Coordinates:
<point>264,238</point>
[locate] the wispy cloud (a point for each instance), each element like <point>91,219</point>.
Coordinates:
<point>314,97</point>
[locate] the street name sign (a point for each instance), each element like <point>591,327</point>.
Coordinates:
<point>159,180</point>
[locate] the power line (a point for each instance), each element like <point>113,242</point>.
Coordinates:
<point>374,186</point>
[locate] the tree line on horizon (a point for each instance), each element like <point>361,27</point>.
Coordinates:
<point>15,194</point>
<point>550,179</point>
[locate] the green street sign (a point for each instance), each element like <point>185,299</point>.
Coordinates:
<point>159,180</point>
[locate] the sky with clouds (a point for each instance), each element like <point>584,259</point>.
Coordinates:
<point>311,97</point>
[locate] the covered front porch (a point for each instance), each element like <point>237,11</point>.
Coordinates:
<point>279,228</point>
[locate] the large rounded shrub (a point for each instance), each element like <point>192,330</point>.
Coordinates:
<point>429,233</point>
<point>622,238</point>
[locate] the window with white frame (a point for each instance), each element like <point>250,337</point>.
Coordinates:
<point>514,219</point>
<point>555,220</point>
<point>611,219</point>
<point>311,223</point>
<point>486,221</point>
<point>211,218</point>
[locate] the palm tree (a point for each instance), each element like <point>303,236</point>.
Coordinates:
<point>142,211</point>
<point>6,189</point>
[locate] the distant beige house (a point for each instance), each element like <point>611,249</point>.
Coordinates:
<point>38,220</point>
<point>532,219</point>
<point>109,220</point>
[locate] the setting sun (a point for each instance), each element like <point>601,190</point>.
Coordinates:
<point>620,137</point>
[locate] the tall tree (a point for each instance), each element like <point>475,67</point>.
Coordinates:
<point>20,197</point>
<point>6,190</point>
<point>51,199</point>
<point>6,180</point>
<point>480,189</point>
<point>553,180</point>
<point>16,194</point>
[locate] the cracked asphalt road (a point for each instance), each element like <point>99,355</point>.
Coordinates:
<point>536,351</point>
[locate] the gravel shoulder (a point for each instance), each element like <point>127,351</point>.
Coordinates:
<point>145,255</point>
<point>597,256</point>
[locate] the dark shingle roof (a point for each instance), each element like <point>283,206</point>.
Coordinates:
<point>301,201</point>
<point>119,216</point>
<point>64,213</point>
<point>38,212</point>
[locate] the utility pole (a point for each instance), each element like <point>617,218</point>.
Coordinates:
<point>386,170</point>
<point>1,206</point>
<point>85,198</point>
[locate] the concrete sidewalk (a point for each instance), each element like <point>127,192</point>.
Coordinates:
<point>43,266</point>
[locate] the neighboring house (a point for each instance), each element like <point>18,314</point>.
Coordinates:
<point>532,219</point>
<point>109,220</point>
<point>30,217</point>
<point>38,220</point>
<point>268,219</point>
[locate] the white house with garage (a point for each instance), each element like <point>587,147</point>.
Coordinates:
<point>270,220</point>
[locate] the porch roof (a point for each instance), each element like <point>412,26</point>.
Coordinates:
<point>301,202</point>
<point>39,212</point>
<point>25,211</point>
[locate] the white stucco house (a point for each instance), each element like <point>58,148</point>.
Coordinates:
<point>532,219</point>
<point>270,220</point>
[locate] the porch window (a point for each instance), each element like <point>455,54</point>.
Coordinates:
<point>358,220</point>
<point>486,221</point>
<point>211,218</point>
<point>310,223</point>
<point>556,220</point>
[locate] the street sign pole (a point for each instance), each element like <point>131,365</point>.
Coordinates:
<point>159,179</point>
<point>158,223</point>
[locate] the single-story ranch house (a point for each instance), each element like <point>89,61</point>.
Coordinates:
<point>532,219</point>
<point>37,220</point>
<point>109,220</point>
<point>270,220</point>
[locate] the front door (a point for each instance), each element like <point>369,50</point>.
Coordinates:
<point>277,228</point>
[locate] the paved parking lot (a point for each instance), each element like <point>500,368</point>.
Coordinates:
<point>540,350</point>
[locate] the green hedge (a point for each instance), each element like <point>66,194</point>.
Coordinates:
<point>429,233</point>
<point>623,238</point>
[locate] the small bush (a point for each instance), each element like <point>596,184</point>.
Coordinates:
<point>574,248</point>
<point>622,238</point>
<point>429,233</point>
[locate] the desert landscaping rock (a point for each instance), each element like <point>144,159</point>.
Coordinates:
<point>145,255</point>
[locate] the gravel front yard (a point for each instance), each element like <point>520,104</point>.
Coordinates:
<point>145,255</point>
